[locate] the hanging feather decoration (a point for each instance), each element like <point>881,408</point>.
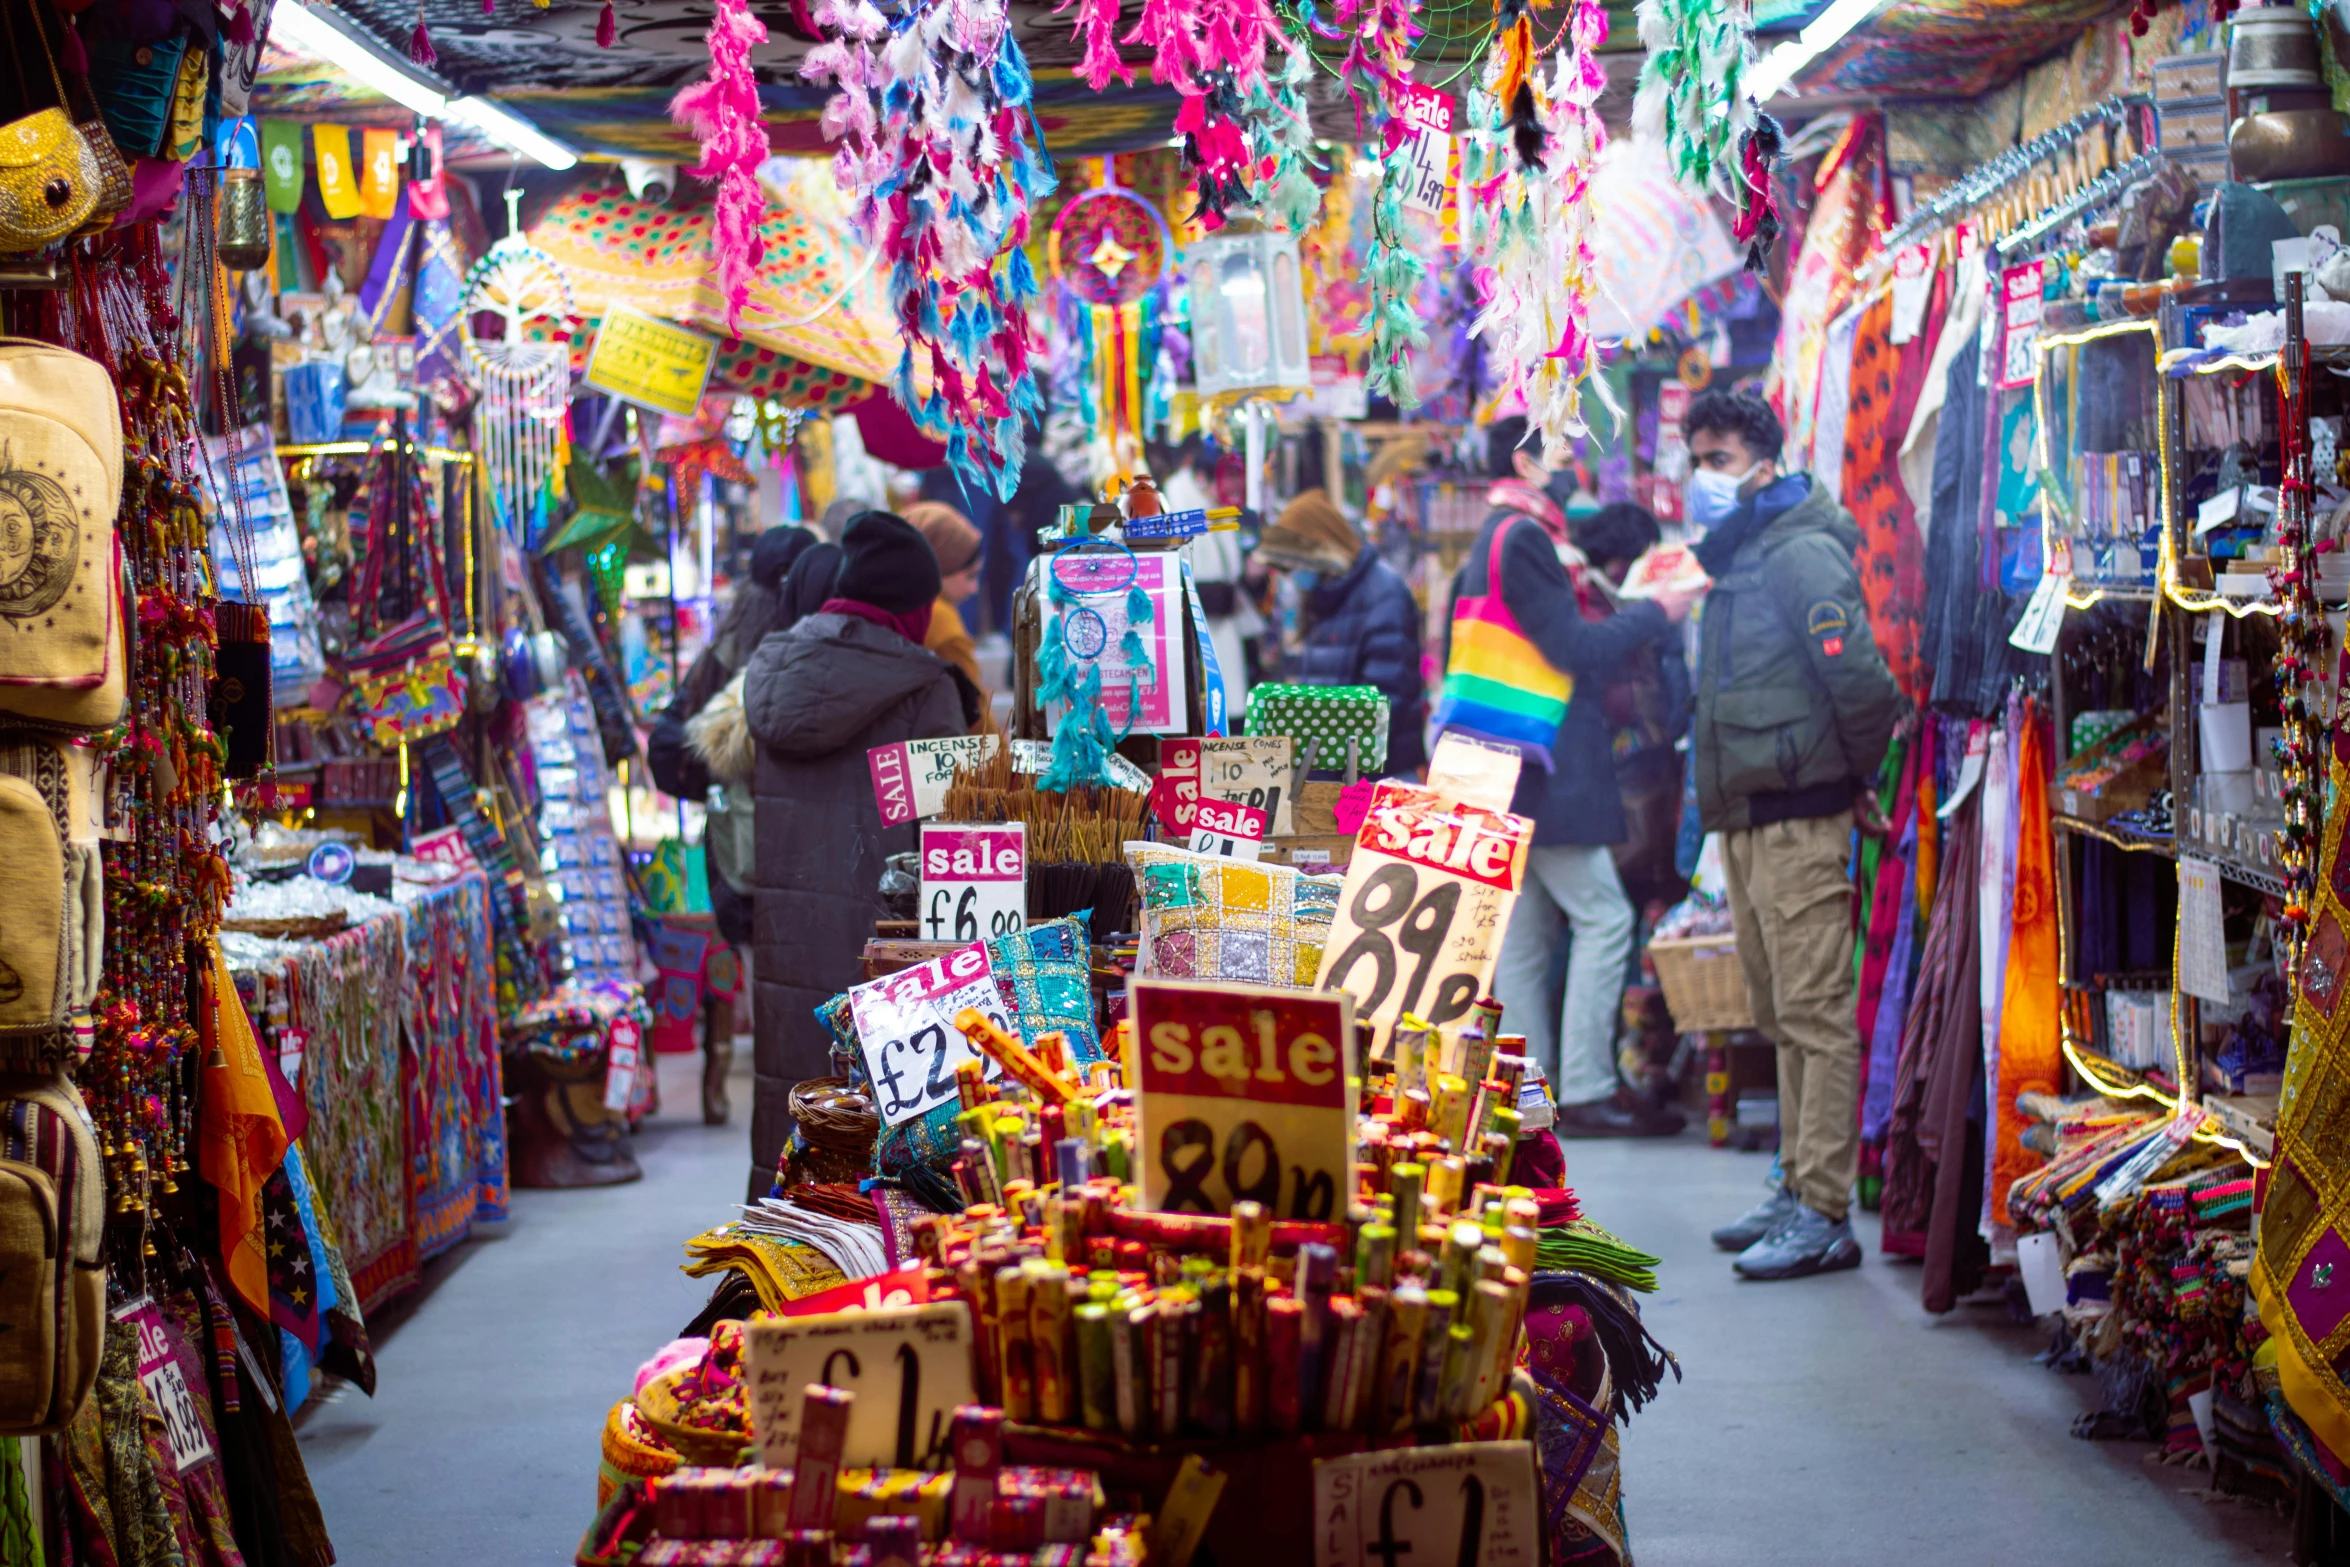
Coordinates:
<point>1281,148</point>
<point>1692,94</point>
<point>1391,276</point>
<point>1758,222</point>
<point>1212,52</point>
<point>1531,225</point>
<point>934,116</point>
<point>1097,31</point>
<point>723,114</point>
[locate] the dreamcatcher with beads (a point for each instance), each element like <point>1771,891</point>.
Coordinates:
<point>1068,663</point>
<point>1693,98</point>
<point>1107,255</point>
<point>516,323</point>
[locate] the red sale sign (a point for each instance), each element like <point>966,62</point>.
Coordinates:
<point>1232,819</point>
<point>1176,794</point>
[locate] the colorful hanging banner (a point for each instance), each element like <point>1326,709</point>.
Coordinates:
<point>338,185</point>
<point>281,164</point>
<point>428,197</point>
<point>379,172</point>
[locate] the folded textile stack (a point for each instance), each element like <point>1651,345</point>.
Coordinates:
<point>779,1269</point>
<point>1581,1246</point>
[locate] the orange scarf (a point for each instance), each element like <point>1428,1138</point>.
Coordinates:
<point>240,1138</point>
<point>2031,1042</point>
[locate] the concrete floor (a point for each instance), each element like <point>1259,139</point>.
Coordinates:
<point>1826,1422</point>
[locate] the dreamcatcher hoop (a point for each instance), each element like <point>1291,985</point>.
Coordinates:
<point>1139,254</point>
<point>524,373</point>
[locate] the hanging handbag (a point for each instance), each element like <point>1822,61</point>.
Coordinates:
<point>49,176</point>
<point>404,681</point>
<point>136,87</point>
<point>60,486</point>
<point>114,172</point>
<point>52,1254</point>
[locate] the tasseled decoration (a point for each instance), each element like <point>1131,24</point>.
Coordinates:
<point>935,123</point>
<point>607,27</point>
<point>1636,1362</point>
<point>1692,94</point>
<point>1281,149</point>
<point>1097,31</point>
<point>420,47</point>
<point>77,59</point>
<point>1380,34</point>
<point>723,114</point>
<point>1391,277</point>
<point>1757,224</point>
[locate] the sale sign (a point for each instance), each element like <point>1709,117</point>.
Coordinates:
<point>1474,1503</point>
<point>1228,828</point>
<point>974,880</point>
<point>911,778</point>
<point>910,1367</point>
<point>1176,794</point>
<point>1254,770</point>
<point>1243,1095</point>
<point>1427,897</point>
<point>907,1035</point>
<point>1421,129</point>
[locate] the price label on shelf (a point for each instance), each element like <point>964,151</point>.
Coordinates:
<point>1428,894</point>
<point>166,1384</point>
<point>1475,1503</point>
<point>1228,828</point>
<point>1253,770</point>
<point>974,880</point>
<point>909,1366</point>
<point>906,1029</point>
<point>1243,1095</point>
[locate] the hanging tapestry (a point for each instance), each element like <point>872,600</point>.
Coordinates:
<point>2031,1047</point>
<point>456,1099</point>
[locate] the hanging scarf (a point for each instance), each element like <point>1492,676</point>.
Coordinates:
<point>913,625</point>
<point>242,1140</point>
<point>2031,1050</point>
<point>1530,500</point>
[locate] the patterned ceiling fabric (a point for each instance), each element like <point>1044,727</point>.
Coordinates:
<point>1953,48</point>
<point>658,259</point>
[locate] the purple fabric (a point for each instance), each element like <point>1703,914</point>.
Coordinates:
<point>384,273</point>
<point>1876,1112</point>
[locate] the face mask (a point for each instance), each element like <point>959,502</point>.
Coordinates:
<point>1711,497</point>
<point>1307,579</point>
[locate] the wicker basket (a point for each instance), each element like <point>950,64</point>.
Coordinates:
<point>1704,985</point>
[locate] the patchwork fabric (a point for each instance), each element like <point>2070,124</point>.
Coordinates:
<point>1207,917</point>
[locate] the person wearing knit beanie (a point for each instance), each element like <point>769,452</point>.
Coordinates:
<point>886,563</point>
<point>957,545</point>
<point>1311,534</point>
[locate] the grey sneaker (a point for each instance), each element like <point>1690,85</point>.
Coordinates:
<point>1804,1243</point>
<point>1756,1222</point>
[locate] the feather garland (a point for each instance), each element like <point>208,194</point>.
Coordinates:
<point>934,111</point>
<point>1531,226</point>
<point>1281,147</point>
<point>1692,93</point>
<point>723,113</point>
<point>1213,53</point>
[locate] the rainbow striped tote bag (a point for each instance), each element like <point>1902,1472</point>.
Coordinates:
<point>1498,687</point>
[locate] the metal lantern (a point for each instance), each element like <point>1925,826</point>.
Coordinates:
<point>1248,314</point>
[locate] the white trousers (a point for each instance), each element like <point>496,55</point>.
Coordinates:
<point>1568,884</point>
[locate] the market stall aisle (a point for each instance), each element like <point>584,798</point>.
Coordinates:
<point>495,1376</point>
<point>1835,1422</point>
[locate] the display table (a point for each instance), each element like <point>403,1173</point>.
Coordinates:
<point>388,1031</point>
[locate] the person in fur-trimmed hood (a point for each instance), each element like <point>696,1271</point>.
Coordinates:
<point>852,676</point>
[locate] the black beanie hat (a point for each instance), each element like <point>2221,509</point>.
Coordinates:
<point>773,552</point>
<point>885,562</point>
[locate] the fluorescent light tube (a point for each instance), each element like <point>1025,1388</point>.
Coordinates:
<point>510,130</point>
<point>301,28</point>
<point>1778,68</point>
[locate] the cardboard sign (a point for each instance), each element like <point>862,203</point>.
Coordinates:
<point>1175,797</point>
<point>1254,770</point>
<point>444,847</point>
<point>1243,1094</point>
<point>654,363</point>
<point>622,1063</point>
<point>974,880</point>
<point>1427,897</point>
<point>1031,757</point>
<point>907,1035</point>
<point>911,777</point>
<point>1228,828</point>
<point>909,1367</point>
<point>1476,1504</point>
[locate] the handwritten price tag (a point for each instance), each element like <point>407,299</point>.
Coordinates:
<point>909,1367</point>
<point>974,881</point>
<point>1243,1095</point>
<point>1474,1503</point>
<point>1228,828</point>
<point>1427,897</point>
<point>907,1035</point>
<point>166,1385</point>
<point>1254,770</point>
<point>911,777</point>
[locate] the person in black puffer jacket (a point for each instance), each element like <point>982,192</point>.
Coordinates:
<point>1361,623</point>
<point>817,698</point>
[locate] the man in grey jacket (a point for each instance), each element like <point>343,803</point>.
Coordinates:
<point>850,677</point>
<point>1795,709</point>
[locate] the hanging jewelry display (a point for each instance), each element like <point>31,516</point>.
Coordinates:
<point>1106,254</point>
<point>1068,666</point>
<point>935,152</point>
<point>523,369</point>
<point>1531,228</point>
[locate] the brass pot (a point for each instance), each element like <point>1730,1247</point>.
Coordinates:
<point>2272,46</point>
<point>244,220</point>
<point>2289,144</point>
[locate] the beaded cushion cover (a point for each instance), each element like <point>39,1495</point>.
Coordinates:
<point>1209,917</point>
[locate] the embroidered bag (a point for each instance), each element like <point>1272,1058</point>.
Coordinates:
<point>1498,687</point>
<point>52,1257</point>
<point>60,485</point>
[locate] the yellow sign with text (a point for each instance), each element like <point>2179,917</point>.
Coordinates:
<point>654,363</point>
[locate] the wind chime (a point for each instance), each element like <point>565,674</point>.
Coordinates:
<point>1106,254</point>
<point>522,368</point>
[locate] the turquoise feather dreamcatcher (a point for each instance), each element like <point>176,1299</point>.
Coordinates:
<point>1068,668</point>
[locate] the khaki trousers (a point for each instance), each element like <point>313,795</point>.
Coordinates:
<point>1791,899</point>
